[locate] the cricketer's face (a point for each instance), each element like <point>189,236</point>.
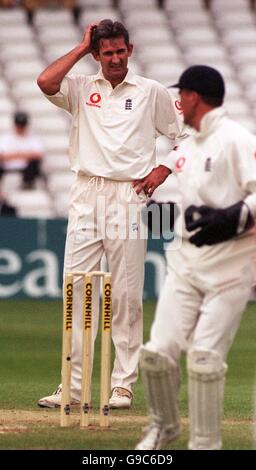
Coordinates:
<point>113,55</point>
<point>188,101</point>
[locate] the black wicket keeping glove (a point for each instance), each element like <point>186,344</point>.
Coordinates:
<point>217,225</point>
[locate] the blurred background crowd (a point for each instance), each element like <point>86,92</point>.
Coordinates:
<point>168,36</point>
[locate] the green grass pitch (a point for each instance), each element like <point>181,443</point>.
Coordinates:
<point>30,352</point>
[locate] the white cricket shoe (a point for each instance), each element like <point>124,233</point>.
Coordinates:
<point>120,398</point>
<point>54,400</point>
<point>156,437</point>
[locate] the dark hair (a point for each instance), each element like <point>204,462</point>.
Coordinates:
<point>21,119</point>
<point>107,29</point>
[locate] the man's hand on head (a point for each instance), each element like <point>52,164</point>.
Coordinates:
<point>87,38</point>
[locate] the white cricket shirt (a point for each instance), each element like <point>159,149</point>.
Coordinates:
<point>113,131</point>
<point>217,165</point>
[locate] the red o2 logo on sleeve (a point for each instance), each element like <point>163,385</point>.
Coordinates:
<point>180,163</point>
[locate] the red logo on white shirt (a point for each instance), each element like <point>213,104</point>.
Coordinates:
<point>94,99</point>
<point>180,163</point>
<point>178,106</point>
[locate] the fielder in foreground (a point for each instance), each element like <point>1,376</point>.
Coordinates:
<point>210,276</point>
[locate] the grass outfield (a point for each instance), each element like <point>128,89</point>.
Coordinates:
<point>30,350</point>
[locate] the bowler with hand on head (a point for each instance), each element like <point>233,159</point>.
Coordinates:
<point>116,118</point>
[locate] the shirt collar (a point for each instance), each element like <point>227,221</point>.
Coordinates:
<point>210,121</point>
<point>129,78</point>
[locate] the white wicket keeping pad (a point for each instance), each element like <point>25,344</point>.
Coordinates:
<point>206,372</point>
<point>161,382</point>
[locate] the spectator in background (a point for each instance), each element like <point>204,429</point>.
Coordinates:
<point>21,151</point>
<point>6,209</point>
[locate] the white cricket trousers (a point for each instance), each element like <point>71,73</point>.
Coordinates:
<point>104,217</point>
<point>205,292</point>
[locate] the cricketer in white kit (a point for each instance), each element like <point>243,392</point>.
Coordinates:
<point>210,276</point>
<point>116,118</point>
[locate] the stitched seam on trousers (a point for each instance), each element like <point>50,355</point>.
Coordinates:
<point>71,249</point>
<point>76,225</point>
<point>127,290</point>
<point>125,265</point>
